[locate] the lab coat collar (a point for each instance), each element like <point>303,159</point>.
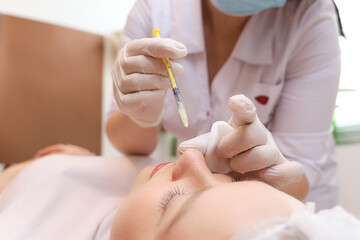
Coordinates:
<point>254,46</point>
<point>187,25</point>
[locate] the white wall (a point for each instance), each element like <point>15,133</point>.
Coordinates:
<point>349,177</point>
<point>350,48</point>
<point>106,148</point>
<point>94,16</point>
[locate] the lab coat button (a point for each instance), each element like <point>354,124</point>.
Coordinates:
<point>262,99</point>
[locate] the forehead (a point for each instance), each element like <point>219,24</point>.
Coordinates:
<point>218,213</point>
<point>232,200</point>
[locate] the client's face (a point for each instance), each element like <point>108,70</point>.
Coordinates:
<point>184,200</point>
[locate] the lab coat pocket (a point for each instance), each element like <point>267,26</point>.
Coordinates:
<point>265,98</point>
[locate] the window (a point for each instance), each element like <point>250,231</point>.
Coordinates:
<point>347,112</point>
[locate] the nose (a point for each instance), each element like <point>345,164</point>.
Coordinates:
<point>192,166</point>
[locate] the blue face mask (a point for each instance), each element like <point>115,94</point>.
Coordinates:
<point>246,7</point>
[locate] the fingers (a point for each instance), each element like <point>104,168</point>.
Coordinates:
<point>283,174</point>
<point>263,162</point>
<point>147,64</point>
<point>244,111</point>
<point>77,148</point>
<point>255,159</point>
<point>133,101</point>
<point>156,47</point>
<point>142,73</point>
<point>63,148</point>
<point>137,82</point>
<point>140,78</point>
<point>242,139</point>
<point>200,143</point>
<point>49,149</point>
<point>249,131</point>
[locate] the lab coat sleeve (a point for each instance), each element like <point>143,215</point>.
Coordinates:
<point>138,25</point>
<point>302,120</point>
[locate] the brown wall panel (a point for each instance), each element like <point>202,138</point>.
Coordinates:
<point>50,88</point>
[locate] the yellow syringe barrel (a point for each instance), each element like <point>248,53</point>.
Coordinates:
<point>176,91</point>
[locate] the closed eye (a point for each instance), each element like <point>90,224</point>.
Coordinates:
<point>168,196</point>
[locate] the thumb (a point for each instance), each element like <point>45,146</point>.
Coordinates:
<point>200,143</point>
<point>283,174</point>
<point>244,111</point>
<point>156,47</point>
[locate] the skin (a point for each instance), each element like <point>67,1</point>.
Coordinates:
<point>139,141</point>
<point>11,172</point>
<point>219,40</point>
<point>217,208</point>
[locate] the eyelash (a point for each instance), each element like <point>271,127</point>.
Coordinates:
<point>177,191</point>
<point>236,179</point>
<point>170,195</point>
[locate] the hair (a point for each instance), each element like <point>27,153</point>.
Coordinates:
<point>341,31</point>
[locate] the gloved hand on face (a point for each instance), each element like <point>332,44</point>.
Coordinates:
<point>140,77</point>
<point>244,147</point>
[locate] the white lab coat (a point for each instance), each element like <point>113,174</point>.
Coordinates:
<point>288,56</point>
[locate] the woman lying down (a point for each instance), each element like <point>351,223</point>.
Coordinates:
<point>67,193</point>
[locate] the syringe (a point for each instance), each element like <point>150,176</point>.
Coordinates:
<point>176,91</point>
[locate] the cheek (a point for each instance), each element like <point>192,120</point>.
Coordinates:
<point>142,178</point>
<point>199,224</point>
<point>120,227</point>
<point>223,178</point>
<point>136,217</point>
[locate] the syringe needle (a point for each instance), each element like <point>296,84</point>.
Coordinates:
<point>176,91</point>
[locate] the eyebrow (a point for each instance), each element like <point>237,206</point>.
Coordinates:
<point>185,207</point>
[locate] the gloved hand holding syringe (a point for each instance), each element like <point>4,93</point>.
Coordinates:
<point>141,79</point>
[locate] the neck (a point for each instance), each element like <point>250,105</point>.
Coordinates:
<point>220,23</point>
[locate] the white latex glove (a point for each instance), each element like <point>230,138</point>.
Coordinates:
<point>140,77</point>
<point>244,147</point>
